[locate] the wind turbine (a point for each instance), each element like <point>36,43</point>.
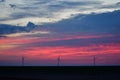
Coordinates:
<point>58,59</point>
<point>94,60</point>
<point>23,60</point>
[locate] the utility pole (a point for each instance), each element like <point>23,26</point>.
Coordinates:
<point>58,63</point>
<point>23,59</point>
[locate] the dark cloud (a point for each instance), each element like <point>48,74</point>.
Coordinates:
<point>110,6</point>
<point>68,4</point>
<point>56,7</point>
<point>92,23</point>
<point>18,16</point>
<point>105,23</point>
<point>41,2</point>
<point>28,8</point>
<point>9,29</point>
<point>118,3</point>
<point>22,15</point>
<point>80,3</point>
<point>2,1</point>
<point>76,42</point>
<point>12,6</point>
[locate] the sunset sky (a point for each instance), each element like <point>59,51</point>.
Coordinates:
<point>75,30</point>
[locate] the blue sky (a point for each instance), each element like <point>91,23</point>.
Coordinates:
<point>20,12</point>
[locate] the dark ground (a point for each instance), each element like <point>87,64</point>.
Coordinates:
<point>60,73</point>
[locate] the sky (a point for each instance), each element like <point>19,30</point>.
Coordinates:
<point>20,12</point>
<point>41,31</point>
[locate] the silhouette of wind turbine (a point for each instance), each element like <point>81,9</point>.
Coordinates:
<point>94,60</point>
<point>58,59</point>
<point>23,60</point>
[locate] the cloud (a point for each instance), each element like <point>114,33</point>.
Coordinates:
<point>76,42</point>
<point>105,23</point>
<point>111,6</point>
<point>50,11</point>
<point>2,1</point>
<point>118,3</point>
<point>30,34</point>
<point>87,24</point>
